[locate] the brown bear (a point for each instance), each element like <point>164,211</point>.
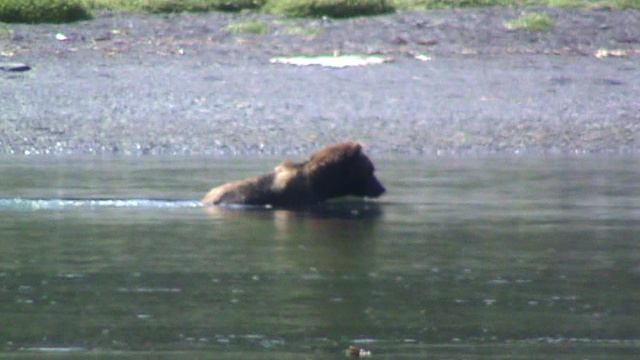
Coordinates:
<point>337,170</point>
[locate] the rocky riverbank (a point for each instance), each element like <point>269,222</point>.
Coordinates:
<point>458,82</point>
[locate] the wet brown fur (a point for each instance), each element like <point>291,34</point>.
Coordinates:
<point>337,170</point>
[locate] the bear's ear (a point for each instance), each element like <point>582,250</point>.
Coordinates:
<point>356,147</point>
<point>348,149</point>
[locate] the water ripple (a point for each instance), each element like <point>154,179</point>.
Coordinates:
<point>60,204</point>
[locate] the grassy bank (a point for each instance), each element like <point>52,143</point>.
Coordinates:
<point>36,11</point>
<point>536,22</point>
<point>168,6</point>
<point>450,4</point>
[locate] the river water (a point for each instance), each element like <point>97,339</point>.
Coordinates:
<point>479,258</point>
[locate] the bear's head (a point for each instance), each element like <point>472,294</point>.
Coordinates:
<point>341,170</point>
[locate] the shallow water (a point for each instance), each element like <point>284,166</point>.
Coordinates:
<point>483,258</point>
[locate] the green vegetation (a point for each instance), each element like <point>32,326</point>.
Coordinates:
<point>331,8</point>
<point>303,31</point>
<point>128,5</point>
<point>5,31</point>
<point>567,3</point>
<point>614,4</point>
<point>38,11</point>
<point>247,27</point>
<point>200,5</point>
<point>449,4</point>
<point>593,4</point>
<point>171,6</point>
<point>536,22</point>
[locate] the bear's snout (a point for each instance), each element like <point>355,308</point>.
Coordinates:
<point>374,188</point>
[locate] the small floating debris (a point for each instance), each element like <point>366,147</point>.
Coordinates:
<point>339,61</point>
<point>71,275</point>
<point>498,281</point>
<point>357,352</point>
<point>422,57</point>
<point>61,37</point>
<point>604,53</point>
<point>489,302</point>
<point>53,349</point>
<point>14,67</point>
<point>146,290</point>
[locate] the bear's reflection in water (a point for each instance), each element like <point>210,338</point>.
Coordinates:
<point>325,221</point>
<point>356,210</point>
<point>323,258</point>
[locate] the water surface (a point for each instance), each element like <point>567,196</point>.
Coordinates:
<point>482,258</point>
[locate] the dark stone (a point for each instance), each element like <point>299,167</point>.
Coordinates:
<point>14,67</point>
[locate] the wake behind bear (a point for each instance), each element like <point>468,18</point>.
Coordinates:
<point>335,171</point>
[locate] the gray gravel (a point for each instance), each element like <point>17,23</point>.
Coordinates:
<point>183,85</point>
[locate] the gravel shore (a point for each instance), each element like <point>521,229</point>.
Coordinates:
<point>184,85</point>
